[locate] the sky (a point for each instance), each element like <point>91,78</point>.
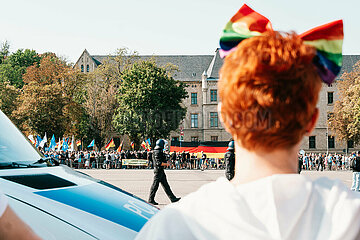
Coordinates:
<point>160,27</point>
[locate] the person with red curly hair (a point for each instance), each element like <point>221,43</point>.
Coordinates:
<point>269,87</point>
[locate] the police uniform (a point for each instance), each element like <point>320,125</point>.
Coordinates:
<point>159,175</point>
<point>230,161</point>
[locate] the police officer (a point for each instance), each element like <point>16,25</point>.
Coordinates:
<point>159,160</point>
<point>230,161</point>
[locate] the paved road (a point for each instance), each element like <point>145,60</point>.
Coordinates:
<point>182,182</point>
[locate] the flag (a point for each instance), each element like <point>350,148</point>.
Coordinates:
<point>52,143</point>
<point>92,143</point>
<point>38,141</point>
<point>120,147</point>
<point>143,144</point>
<point>72,147</point>
<point>110,144</point>
<point>78,143</point>
<point>148,144</point>
<point>59,145</point>
<point>32,140</point>
<point>65,145</point>
<point>132,144</point>
<point>43,141</point>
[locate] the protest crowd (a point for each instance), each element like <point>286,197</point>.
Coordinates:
<point>128,159</point>
<point>132,159</point>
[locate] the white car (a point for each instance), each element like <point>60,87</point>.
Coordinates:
<point>60,203</point>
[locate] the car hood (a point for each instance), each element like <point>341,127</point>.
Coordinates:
<point>101,210</point>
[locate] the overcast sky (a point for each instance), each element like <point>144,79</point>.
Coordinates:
<point>166,27</point>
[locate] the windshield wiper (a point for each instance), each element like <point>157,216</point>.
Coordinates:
<point>18,165</point>
<point>50,161</point>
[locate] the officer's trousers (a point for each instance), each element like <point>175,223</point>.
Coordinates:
<point>160,177</point>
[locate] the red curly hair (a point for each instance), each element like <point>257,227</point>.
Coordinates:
<point>268,90</point>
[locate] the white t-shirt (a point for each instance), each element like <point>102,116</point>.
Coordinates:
<point>286,206</point>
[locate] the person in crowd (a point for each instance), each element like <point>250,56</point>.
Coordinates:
<point>320,162</point>
<point>230,161</point>
<point>159,174</point>
<point>172,160</point>
<point>272,77</point>
<point>203,161</point>
<point>300,161</point>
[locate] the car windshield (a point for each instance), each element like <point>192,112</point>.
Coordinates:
<point>14,146</point>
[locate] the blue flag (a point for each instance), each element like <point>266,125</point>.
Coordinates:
<point>92,143</point>
<point>52,143</point>
<point>65,145</point>
<point>38,140</point>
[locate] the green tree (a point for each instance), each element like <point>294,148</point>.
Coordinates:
<point>345,121</point>
<point>149,102</point>
<point>14,66</point>
<point>4,51</point>
<point>100,90</point>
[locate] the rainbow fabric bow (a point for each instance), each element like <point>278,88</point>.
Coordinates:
<point>327,39</point>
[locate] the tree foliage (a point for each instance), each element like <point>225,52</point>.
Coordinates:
<point>100,90</point>
<point>46,103</point>
<point>14,66</point>
<point>345,121</point>
<point>149,102</point>
<point>8,96</point>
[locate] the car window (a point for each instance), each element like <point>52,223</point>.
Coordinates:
<point>14,146</point>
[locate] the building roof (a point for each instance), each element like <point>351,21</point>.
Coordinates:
<point>190,66</point>
<point>348,63</point>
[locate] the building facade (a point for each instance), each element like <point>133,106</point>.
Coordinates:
<point>202,121</point>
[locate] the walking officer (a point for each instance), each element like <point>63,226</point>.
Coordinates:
<point>230,161</point>
<point>159,160</point>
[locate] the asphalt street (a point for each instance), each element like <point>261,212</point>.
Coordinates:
<point>182,182</point>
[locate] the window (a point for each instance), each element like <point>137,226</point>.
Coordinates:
<point>87,68</point>
<point>350,144</point>
<point>213,119</point>
<point>331,142</point>
<point>330,97</point>
<point>214,138</point>
<point>213,95</point>
<point>193,98</point>
<point>194,139</point>
<point>312,142</point>
<point>175,139</point>
<point>82,68</point>
<point>194,120</point>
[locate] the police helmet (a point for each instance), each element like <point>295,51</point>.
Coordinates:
<point>231,145</point>
<point>160,144</point>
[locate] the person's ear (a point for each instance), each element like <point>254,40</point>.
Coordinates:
<point>311,125</point>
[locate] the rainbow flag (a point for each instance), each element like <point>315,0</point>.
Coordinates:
<point>328,41</point>
<point>110,144</point>
<point>244,24</point>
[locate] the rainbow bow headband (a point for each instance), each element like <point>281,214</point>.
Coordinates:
<point>327,39</point>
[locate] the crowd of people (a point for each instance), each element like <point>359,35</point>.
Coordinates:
<point>322,161</point>
<point>112,159</point>
<point>185,160</point>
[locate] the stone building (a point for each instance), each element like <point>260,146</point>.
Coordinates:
<point>202,123</point>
